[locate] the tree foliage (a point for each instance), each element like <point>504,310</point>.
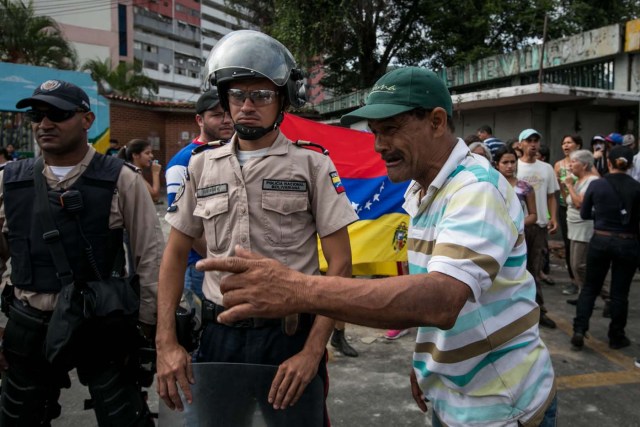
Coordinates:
<point>29,39</point>
<point>574,17</point>
<point>125,79</point>
<point>357,40</point>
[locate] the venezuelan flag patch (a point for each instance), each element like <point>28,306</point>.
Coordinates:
<point>337,184</point>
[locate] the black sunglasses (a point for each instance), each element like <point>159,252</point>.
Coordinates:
<point>55,115</point>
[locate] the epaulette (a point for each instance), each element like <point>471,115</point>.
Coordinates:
<point>208,145</point>
<point>306,144</point>
<point>133,167</point>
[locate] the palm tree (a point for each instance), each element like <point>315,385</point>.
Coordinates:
<point>29,39</point>
<point>126,79</point>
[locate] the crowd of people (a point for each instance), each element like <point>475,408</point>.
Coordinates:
<point>593,198</point>
<point>92,278</point>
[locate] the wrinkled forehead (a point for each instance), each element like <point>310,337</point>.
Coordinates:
<point>398,119</point>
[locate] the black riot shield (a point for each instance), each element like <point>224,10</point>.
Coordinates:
<point>235,395</point>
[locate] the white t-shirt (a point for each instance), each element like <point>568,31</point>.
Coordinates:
<point>634,170</point>
<point>245,156</point>
<point>542,178</point>
<point>61,171</point>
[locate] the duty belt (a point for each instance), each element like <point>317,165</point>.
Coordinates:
<point>614,234</point>
<point>24,314</point>
<point>211,310</point>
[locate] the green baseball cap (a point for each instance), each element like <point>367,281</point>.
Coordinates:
<point>400,91</point>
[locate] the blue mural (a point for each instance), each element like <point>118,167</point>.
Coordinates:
<point>18,81</point>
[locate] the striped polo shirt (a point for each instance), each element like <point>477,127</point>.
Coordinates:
<point>491,368</point>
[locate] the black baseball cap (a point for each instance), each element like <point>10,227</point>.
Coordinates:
<point>208,101</point>
<point>59,94</point>
<point>621,152</point>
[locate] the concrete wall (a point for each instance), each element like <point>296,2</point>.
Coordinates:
<point>552,122</point>
<point>506,123</point>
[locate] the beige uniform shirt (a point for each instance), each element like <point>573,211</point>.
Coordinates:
<point>276,205</point>
<point>132,209</point>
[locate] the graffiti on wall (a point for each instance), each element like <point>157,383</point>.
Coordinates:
<point>586,46</point>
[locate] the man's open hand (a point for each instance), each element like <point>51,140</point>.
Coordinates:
<point>259,287</point>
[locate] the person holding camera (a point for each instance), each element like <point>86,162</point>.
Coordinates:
<point>70,303</point>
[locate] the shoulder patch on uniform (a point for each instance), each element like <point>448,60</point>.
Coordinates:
<point>208,146</point>
<point>282,185</point>
<point>212,190</point>
<point>179,194</point>
<point>133,167</point>
<point>335,180</point>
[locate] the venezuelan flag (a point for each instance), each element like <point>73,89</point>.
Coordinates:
<point>378,239</point>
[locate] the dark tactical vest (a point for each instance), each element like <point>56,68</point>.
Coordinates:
<point>32,267</point>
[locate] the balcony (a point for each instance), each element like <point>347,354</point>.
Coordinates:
<point>165,27</point>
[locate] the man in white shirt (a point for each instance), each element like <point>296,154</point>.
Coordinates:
<point>541,177</point>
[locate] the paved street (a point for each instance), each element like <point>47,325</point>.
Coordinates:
<point>597,386</point>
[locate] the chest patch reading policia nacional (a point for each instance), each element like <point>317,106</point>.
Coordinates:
<point>280,185</point>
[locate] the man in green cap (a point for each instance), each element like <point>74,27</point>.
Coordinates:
<point>479,358</point>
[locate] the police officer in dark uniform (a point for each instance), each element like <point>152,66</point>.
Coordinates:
<point>70,207</point>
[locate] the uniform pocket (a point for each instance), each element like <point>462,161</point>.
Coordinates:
<point>285,216</point>
<point>215,218</point>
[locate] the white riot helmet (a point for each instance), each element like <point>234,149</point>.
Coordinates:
<point>247,54</point>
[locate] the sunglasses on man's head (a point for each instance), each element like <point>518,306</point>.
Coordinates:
<point>258,97</point>
<point>55,115</point>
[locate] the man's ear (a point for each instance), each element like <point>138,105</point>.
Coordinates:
<point>438,118</point>
<point>88,119</point>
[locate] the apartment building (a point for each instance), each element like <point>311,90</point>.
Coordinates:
<point>171,38</point>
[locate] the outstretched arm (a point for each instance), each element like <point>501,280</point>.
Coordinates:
<point>263,287</point>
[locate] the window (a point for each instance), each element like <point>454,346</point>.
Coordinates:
<point>150,65</point>
<point>122,30</point>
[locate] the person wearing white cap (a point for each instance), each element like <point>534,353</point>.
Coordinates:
<point>541,176</point>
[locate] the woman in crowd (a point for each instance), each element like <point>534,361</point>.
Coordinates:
<point>138,152</point>
<point>506,161</point>
<point>613,202</point>
<point>481,149</point>
<point>576,180</point>
<point>570,143</point>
